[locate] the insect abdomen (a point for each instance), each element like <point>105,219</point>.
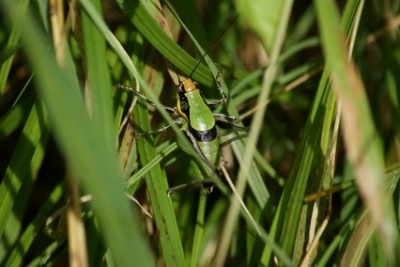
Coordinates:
<point>210,150</point>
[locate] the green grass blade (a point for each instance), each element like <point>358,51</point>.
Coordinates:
<point>365,235</point>
<point>161,154</point>
<point>19,178</point>
<point>360,136</point>
<point>25,241</point>
<point>83,146</point>
<point>11,43</point>
<point>199,230</point>
<point>157,185</point>
<point>139,15</point>
<point>98,77</point>
<point>307,161</point>
<point>17,114</point>
<point>263,16</point>
<point>113,42</point>
<point>269,77</point>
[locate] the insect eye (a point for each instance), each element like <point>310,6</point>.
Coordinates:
<point>196,85</point>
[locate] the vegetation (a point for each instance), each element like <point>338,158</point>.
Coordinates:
<point>314,84</point>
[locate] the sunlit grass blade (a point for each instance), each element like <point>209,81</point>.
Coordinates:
<point>263,17</point>
<point>119,50</point>
<point>19,251</point>
<point>359,133</point>
<point>307,160</point>
<point>269,77</point>
<point>161,154</point>
<point>199,229</point>
<point>83,146</point>
<point>157,185</point>
<point>137,12</point>
<point>365,230</point>
<point>98,76</point>
<point>19,178</point>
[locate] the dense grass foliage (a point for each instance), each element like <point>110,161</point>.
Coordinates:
<point>313,179</point>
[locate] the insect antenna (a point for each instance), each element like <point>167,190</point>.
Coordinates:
<point>216,40</point>
<point>170,7</point>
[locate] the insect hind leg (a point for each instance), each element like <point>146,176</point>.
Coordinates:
<point>208,186</point>
<point>160,130</point>
<point>224,116</point>
<point>139,94</point>
<point>219,87</point>
<point>223,100</point>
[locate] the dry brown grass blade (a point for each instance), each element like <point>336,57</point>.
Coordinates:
<point>364,151</point>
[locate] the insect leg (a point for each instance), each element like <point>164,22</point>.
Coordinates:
<point>229,126</point>
<point>160,130</point>
<point>199,152</point>
<point>233,139</point>
<point>130,89</point>
<point>226,117</point>
<point>216,102</point>
<point>208,184</point>
<point>219,87</point>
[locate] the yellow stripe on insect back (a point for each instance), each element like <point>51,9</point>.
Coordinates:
<point>182,105</point>
<point>179,107</point>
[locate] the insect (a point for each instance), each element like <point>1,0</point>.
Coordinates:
<point>200,125</point>
<point>194,114</point>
